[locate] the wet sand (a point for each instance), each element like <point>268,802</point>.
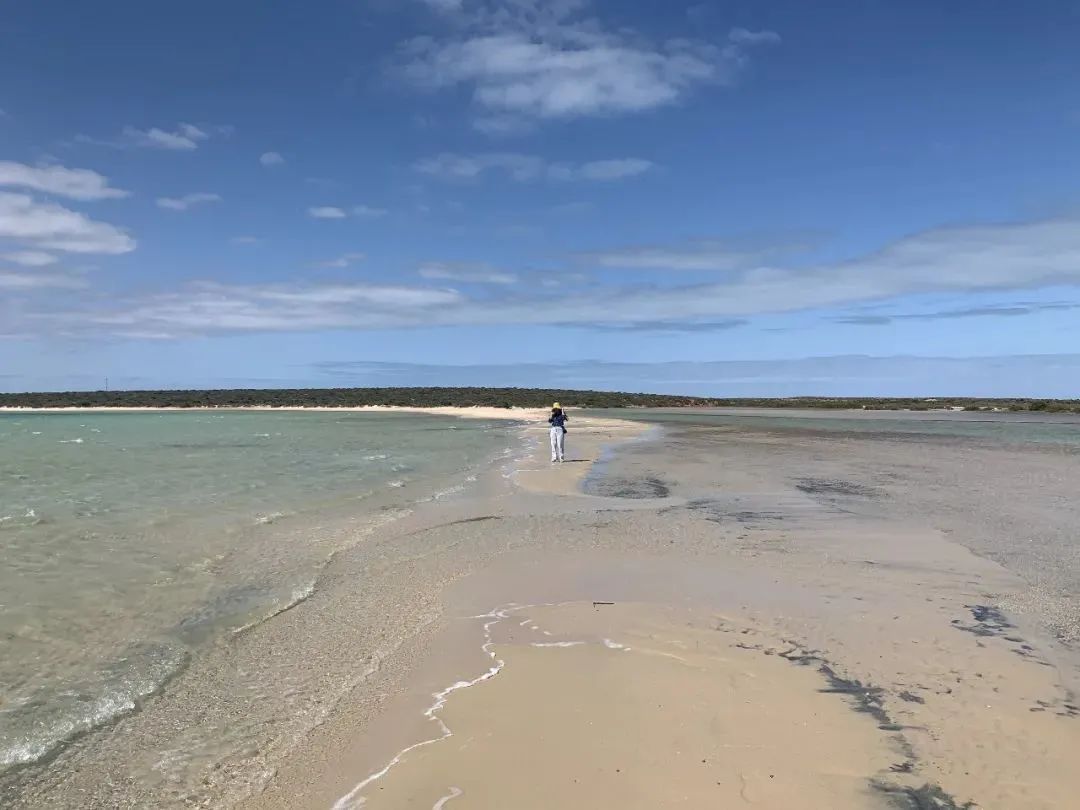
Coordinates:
<point>730,618</point>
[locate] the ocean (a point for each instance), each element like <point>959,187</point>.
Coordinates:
<point>132,543</point>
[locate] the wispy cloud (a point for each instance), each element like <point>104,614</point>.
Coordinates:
<point>573,208</point>
<point>537,60</point>
<point>368,212</point>
<point>30,258</point>
<point>184,138</point>
<point>245,240</point>
<point>26,282</point>
<point>326,212</point>
<point>271,159</point>
<point>672,327</point>
<point>960,259</point>
<point>187,201</point>
<point>76,184</point>
<point>48,226</point>
<point>345,260</point>
<point>336,212</point>
<point>445,6</point>
<point>527,168</point>
<point>212,307</point>
<point>467,272</point>
<point>700,255</point>
<point>997,311</point>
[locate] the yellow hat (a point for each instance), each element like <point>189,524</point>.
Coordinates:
<point>556,405</point>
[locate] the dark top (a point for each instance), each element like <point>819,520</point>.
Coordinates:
<point>557,419</point>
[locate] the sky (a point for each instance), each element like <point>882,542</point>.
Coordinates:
<point>736,198</point>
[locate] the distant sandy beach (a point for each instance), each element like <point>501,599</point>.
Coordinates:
<point>692,616</point>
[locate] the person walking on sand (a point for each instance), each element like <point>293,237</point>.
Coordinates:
<point>557,420</point>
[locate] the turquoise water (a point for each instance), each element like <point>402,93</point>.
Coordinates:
<point>1007,428</point>
<point>128,540</point>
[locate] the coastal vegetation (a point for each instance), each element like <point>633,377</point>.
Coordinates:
<point>499,398</point>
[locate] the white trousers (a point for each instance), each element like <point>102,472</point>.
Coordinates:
<point>558,443</point>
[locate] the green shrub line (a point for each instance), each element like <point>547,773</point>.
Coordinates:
<point>500,398</point>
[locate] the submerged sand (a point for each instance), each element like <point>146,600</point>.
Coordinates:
<point>708,618</point>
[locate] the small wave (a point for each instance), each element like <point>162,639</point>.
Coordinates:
<point>449,797</point>
<point>35,432</point>
<point>71,441</point>
<point>267,519</point>
<point>299,594</point>
<point>44,725</point>
<point>262,435</point>
<point>557,644</point>
<point>377,457</point>
<point>396,484</point>
<point>353,800</point>
<point>614,645</point>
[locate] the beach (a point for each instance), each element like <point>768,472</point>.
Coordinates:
<point>683,615</point>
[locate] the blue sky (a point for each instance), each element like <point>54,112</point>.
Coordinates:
<point>703,197</point>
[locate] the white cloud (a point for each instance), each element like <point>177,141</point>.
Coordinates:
<point>78,184</point>
<point>471,273</point>
<point>369,212</point>
<point>47,226</point>
<point>187,201</point>
<point>741,36</point>
<point>537,59</point>
<point>525,168</point>
<point>185,138</point>
<point>271,159</point>
<point>39,281</point>
<point>30,258</point>
<point>326,212</point>
<point>345,260</point>
<point>334,212</point>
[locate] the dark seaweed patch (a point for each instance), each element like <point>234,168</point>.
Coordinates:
<point>989,621</point>
<point>911,697</point>
<point>1061,708</point>
<point>927,797</point>
<point>719,512</point>
<point>867,699</point>
<point>481,519</point>
<point>637,488</point>
<point>831,486</point>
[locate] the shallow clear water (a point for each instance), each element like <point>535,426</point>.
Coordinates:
<point>130,540</point>
<point>1012,428</point>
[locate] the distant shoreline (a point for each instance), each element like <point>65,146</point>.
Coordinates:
<point>478,412</point>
